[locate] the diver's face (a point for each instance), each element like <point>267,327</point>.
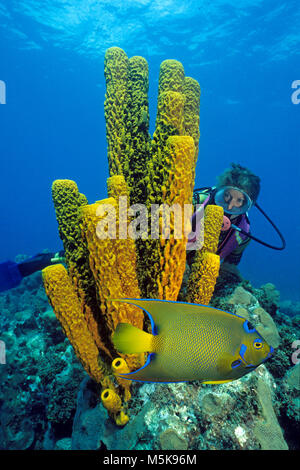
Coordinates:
<point>233,198</point>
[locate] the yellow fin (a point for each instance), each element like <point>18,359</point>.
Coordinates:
<point>130,340</point>
<point>217,381</point>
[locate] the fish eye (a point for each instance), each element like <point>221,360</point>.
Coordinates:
<point>257,343</point>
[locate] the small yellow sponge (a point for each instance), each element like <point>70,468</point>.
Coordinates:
<point>213,221</point>
<point>111,400</point>
<point>206,266</point>
<point>119,366</point>
<point>205,271</point>
<point>113,403</point>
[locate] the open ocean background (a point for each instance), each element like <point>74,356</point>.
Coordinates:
<point>244,54</point>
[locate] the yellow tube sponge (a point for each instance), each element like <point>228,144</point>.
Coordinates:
<point>169,121</point>
<point>138,144</point>
<point>177,194</point>
<point>144,162</point>
<point>116,107</point>
<point>121,419</point>
<point>119,366</point>
<point>162,276</point>
<point>191,91</point>
<point>68,202</point>
<point>213,221</point>
<point>104,258</point>
<point>116,187</point>
<point>206,265</point>
<point>67,294</point>
<point>113,263</point>
<point>160,270</point>
<point>202,280</point>
<point>111,401</point>
<point>180,164</point>
<point>171,76</point>
<point>67,307</point>
<point>170,111</point>
<point>127,119</point>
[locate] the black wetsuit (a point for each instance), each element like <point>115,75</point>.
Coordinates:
<point>37,262</point>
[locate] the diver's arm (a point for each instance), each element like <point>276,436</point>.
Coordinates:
<point>11,273</point>
<point>235,256</point>
<point>40,261</point>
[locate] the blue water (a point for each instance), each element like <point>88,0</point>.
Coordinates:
<point>244,54</point>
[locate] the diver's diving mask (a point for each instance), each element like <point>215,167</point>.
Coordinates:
<point>233,200</point>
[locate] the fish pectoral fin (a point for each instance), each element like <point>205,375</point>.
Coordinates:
<point>224,364</point>
<point>129,339</point>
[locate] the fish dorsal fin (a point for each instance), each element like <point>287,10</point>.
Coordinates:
<point>161,312</point>
<point>157,311</point>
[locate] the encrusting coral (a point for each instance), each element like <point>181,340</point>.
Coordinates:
<point>104,263</point>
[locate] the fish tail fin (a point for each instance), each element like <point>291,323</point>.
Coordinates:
<point>130,340</point>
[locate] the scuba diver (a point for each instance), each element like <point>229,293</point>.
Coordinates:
<point>237,191</point>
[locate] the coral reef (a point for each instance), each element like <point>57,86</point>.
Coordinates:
<point>243,303</point>
<point>238,415</point>
<point>41,377</point>
<point>43,405</point>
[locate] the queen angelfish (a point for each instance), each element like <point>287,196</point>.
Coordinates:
<point>191,342</point>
